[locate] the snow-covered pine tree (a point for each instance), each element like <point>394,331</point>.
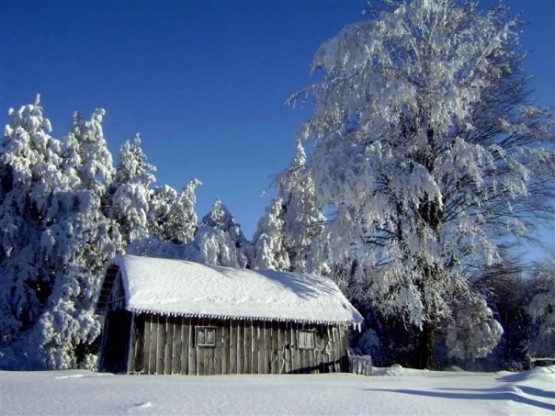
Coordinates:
<point>302,221</point>
<point>130,192</point>
<point>268,249</point>
<point>181,221</point>
<point>427,152</point>
<point>162,199</point>
<point>219,239</point>
<point>29,174</point>
<point>77,244</point>
<point>172,224</point>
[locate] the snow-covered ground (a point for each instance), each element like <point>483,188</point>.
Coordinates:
<point>391,391</point>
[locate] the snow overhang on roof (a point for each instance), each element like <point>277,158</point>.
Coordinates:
<point>184,288</point>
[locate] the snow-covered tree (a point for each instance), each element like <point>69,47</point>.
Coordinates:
<point>172,223</point>
<point>130,192</point>
<point>77,246</point>
<point>542,309</point>
<point>173,218</point>
<point>285,236</point>
<point>302,221</point>
<point>507,295</point>
<point>269,252</point>
<point>426,153</point>
<point>29,174</point>
<point>474,332</point>
<point>161,201</point>
<point>52,191</point>
<point>92,159</point>
<point>181,221</point>
<point>219,239</point>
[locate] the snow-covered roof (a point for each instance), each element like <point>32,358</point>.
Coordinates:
<point>184,288</point>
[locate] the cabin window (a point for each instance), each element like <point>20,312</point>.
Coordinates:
<point>305,340</point>
<point>205,336</point>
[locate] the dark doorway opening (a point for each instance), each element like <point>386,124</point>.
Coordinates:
<point>115,348</point>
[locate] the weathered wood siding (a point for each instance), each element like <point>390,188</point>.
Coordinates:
<point>166,345</point>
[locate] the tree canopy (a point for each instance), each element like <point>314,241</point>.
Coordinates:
<point>426,152</point>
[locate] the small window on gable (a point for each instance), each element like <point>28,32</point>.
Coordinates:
<point>305,340</point>
<point>205,336</point>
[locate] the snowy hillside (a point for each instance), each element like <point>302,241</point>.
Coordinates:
<point>391,391</point>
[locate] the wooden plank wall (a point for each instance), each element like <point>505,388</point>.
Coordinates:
<point>165,345</point>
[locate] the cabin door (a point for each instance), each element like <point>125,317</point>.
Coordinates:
<point>115,346</point>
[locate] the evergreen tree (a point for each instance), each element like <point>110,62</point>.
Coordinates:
<point>181,222</point>
<point>30,172</point>
<point>173,223</point>
<point>77,245</point>
<point>269,251</point>
<point>130,192</point>
<point>219,239</point>
<point>302,221</point>
<point>161,202</point>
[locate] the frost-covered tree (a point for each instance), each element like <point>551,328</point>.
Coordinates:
<point>92,161</point>
<point>542,309</point>
<point>173,218</point>
<point>161,201</point>
<point>285,236</point>
<point>29,173</point>
<point>181,221</point>
<point>130,193</point>
<point>474,332</point>
<point>173,224</point>
<point>220,218</point>
<point>426,153</point>
<point>77,246</point>
<point>219,239</point>
<point>302,221</point>
<point>52,191</point>
<point>269,252</point>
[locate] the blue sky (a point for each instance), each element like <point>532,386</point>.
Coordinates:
<point>204,82</point>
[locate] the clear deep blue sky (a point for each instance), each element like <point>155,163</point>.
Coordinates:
<point>204,82</point>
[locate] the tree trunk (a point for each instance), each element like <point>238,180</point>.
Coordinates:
<point>425,346</point>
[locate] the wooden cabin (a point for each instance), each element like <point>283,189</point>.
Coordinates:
<point>177,317</point>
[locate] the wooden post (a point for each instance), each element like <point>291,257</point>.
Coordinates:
<point>199,350</point>
<point>226,348</point>
<point>239,348</point>
<point>247,347</point>
<point>176,345</point>
<point>146,347</point>
<point>288,347</point>
<point>268,348</point>
<point>233,347</point>
<point>273,350</point>
<point>184,369</point>
<point>192,348</point>
<point>160,344</point>
<point>254,347</point>
<point>168,345</point>
<point>153,343</point>
<point>210,353</point>
<point>295,356</point>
